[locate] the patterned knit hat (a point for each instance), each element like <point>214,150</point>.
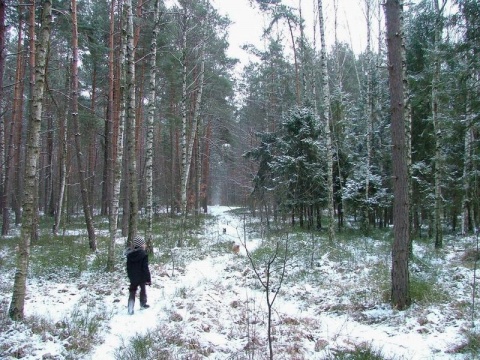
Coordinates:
<point>138,242</point>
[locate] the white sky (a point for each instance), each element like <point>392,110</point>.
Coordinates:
<point>248,23</point>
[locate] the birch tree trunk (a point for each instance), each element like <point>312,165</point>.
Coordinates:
<point>338,84</point>
<point>62,159</point>
<point>368,115</point>
<point>328,132</point>
<point>78,146</point>
<point>188,141</point>
<point>467,168</point>
<point>196,117</point>
<point>131,125</point>
<point>150,118</point>
<point>400,274</point>
<point>17,137</point>
<point>16,310</point>
<point>303,52</point>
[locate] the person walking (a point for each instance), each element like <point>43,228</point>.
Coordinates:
<point>138,273</point>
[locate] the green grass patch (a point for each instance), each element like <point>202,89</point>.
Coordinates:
<point>267,252</point>
<point>170,231</point>
<point>426,290</point>
<point>60,255</point>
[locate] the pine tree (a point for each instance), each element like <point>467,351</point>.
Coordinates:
<point>400,254</point>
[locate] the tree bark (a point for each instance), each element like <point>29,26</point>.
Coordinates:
<point>3,33</point>
<point>117,145</point>
<point>328,132</point>
<point>184,144</point>
<point>131,125</point>
<point>205,183</point>
<point>150,118</point>
<point>16,310</point>
<point>81,169</point>
<point>438,211</point>
<point>400,273</point>
<point>62,159</point>
<point>467,168</point>
<point>17,112</point>
<point>368,116</point>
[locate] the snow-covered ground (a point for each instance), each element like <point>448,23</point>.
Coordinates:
<point>212,303</point>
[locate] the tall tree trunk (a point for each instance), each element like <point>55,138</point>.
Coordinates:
<point>16,310</point>
<point>62,158</point>
<point>109,155</point>
<point>150,118</point>
<point>16,119</point>
<point>117,152</point>
<point>438,211</point>
<point>295,61</point>
<point>340,117</point>
<point>188,140</point>
<point>49,207</point>
<point>3,33</point>
<point>303,51</point>
<point>196,119</point>
<point>400,274</point>
<point>205,183</point>
<point>467,168</point>
<point>131,125</point>
<point>368,115</point>
<point>18,131</point>
<point>408,134</point>
<point>108,135</point>
<point>93,144</point>
<point>78,146</point>
<point>184,144</point>
<point>328,132</point>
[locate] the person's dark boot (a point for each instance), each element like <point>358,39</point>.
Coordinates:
<point>144,306</point>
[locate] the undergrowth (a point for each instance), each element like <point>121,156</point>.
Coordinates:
<point>163,344</point>
<point>82,327</point>
<point>471,346</point>
<point>361,261</point>
<point>360,352</point>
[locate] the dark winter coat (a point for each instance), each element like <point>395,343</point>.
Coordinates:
<point>137,267</point>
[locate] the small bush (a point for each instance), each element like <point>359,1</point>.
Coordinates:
<point>82,327</point>
<point>361,352</point>
<point>470,256</point>
<point>139,347</point>
<point>5,320</point>
<point>41,326</point>
<point>163,344</point>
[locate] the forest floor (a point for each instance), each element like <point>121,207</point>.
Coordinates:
<point>208,302</point>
